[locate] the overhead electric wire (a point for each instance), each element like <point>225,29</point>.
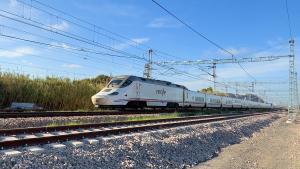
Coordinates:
<point>81,26</point>
<point>192,29</point>
<point>201,35</point>
<point>45,68</point>
<point>69,45</point>
<point>42,43</point>
<point>68,35</point>
<point>41,28</point>
<point>197,77</point>
<point>56,60</point>
<point>81,21</point>
<point>131,41</point>
<point>65,34</point>
<point>51,45</point>
<point>177,71</point>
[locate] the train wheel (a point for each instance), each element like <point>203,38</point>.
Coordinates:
<point>172,105</point>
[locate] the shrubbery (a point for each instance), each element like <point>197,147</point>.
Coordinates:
<point>51,93</point>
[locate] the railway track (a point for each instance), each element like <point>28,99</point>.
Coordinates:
<point>22,137</point>
<point>87,113</point>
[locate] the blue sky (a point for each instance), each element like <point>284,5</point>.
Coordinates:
<point>246,28</point>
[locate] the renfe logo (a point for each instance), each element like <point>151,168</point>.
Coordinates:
<point>161,92</point>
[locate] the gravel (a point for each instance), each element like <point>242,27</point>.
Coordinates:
<point>181,147</point>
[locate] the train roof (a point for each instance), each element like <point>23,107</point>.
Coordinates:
<point>153,81</point>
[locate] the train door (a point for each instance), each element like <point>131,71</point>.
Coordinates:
<point>138,89</point>
<point>205,100</point>
<point>183,97</point>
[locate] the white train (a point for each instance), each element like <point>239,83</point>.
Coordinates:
<point>133,91</point>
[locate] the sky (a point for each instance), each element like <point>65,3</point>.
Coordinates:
<point>113,37</point>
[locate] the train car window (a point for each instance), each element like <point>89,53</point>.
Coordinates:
<point>199,99</point>
<point>228,102</point>
<point>126,83</point>
<point>215,100</point>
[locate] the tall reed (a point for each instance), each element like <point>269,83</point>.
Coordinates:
<point>52,93</point>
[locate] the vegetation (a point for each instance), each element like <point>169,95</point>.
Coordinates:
<point>162,116</point>
<point>252,97</point>
<point>149,117</point>
<point>210,90</point>
<point>72,123</point>
<point>52,93</point>
<point>207,90</point>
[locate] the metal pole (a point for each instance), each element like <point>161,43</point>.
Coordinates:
<point>296,92</point>
<point>292,89</point>
<point>236,89</point>
<point>150,63</point>
<point>148,66</point>
<point>214,75</point>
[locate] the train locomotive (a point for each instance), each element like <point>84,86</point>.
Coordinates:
<point>139,92</point>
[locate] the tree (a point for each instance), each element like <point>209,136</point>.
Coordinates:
<point>207,90</point>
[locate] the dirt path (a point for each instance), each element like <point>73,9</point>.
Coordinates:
<point>275,147</point>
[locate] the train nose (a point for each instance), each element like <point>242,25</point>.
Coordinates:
<point>100,100</point>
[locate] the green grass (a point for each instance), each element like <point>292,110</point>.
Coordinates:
<point>72,123</point>
<point>130,118</point>
<point>150,117</point>
<point>153,117</point>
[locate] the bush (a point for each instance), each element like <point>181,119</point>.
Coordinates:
<point>52,93</point>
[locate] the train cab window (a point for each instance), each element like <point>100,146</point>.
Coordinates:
<point>126,83</point>
<point>115,82</point>
<point>106,90</point>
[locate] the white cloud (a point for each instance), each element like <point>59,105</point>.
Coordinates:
<point>235,51</point>
<point>111,8</point>
<point>195,84</point>
<point>27,62</point>
<point>71,66</point>
<point>61,45</point>
<point>162,23</point>
<point>60,26</point>
<point>139,41</point>
<point>132,42</point>
<point>17,52</point>
<point>13,3</point>
<point>261,70</point>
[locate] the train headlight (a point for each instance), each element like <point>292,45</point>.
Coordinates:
<point>114,93</point>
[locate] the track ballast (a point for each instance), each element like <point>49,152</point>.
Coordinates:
<point>106,129</point>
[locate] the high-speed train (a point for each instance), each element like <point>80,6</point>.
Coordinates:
<point>138,92</point>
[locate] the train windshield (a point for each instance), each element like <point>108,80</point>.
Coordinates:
<point>115,83</point>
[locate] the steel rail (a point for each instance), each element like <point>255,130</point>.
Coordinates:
<point>116,131</point>
<point>5,114</point>
<point>30,130</point>
<point>8,114</point>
